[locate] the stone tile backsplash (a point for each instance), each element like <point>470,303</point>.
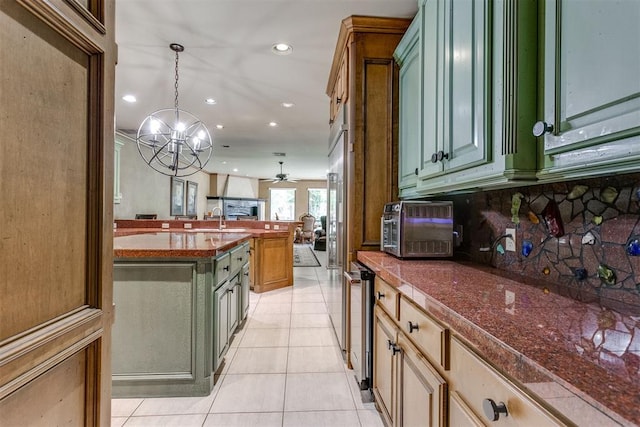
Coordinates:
<point>596,220</point>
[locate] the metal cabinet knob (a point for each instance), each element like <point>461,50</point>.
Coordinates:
<point>239,258</point>
<point>395,349</point>
<point>540,128</point>
<point>439,156</point>
<point>416,171</point>
<point>226,268</point>
<point>492,410</point>
<point>412,326</point>
<point>379,295</point>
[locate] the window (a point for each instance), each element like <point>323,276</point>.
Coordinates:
<point>318,203</point>
<point>283,203</point>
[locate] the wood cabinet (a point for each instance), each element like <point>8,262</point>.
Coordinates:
<point>591,90</point>
<point>230,299</point>
<point>424,374</point>
<point>245,287</point>
<point>476,105</point>
<point>364,71</point>
<point>408,390</point>
<point>475,382</point>
<point>56,281</point>
<point>271,265</point>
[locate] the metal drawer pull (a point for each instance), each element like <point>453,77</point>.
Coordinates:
<point>492,410</point>
<point>412,326</point>
<point>226,267</point>
<point>379,295</point>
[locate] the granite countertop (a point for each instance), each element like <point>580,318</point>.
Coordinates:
<point>545,341</point>
<point>148,243</point>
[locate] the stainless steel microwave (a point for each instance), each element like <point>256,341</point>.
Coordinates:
<point>415,229</point>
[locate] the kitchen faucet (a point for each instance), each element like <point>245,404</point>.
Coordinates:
<point>213,211</point>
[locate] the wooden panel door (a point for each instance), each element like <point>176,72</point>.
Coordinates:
<point>422,392</point>
<point>57,64</point>
<point>384,339</point>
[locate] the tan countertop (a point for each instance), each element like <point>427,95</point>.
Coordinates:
<point>545,341</point>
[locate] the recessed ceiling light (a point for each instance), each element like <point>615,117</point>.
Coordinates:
<point>235,169</point>
<point>129,98</point>
<point>210,101</point>
<point>224,162</point>
<point>219,126</point>
<point>273,124</point>
<point>281,49</point>
<point>287,104</point>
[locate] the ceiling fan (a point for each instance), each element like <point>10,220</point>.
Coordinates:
<point>281,177</point>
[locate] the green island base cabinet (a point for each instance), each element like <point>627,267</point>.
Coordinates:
<point>499,93</point>
<point>175,320</point>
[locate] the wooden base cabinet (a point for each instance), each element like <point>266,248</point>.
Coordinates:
<point>425,375</point>
<point>271,263</point>
<point>476,382</point>
<point>408,390</point>
<point>383,367</point>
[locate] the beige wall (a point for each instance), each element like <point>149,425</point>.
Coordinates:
<point>302,194</point>
<point>146,191</point>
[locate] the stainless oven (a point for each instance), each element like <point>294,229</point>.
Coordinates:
<point>360,282</point>
<point>415,229</point>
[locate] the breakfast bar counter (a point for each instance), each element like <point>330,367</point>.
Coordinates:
<point>581,360</point>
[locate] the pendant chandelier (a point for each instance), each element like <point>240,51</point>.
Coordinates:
<point>172,141</point>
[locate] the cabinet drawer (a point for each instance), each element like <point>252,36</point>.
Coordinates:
<point>387,296</point>
<point>474,381</point>
<point>431,338</point>
<point>239,256</point>
<point>222,268</point>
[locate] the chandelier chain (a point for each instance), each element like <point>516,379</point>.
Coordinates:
<point>176,84</point>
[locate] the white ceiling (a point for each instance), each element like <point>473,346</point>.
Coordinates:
<point>228,57</point>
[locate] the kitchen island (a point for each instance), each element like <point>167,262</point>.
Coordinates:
<point>546,356</point>
<point>179,297</point>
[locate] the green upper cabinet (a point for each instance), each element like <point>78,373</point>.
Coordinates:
<point>478,96</point>
<point>457,61</point>
<point>407,55</point>
<point>591,88</point>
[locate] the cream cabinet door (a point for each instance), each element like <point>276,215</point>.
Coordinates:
<point>422,392</point>
<point>591,83</point>
<point>384,340</point>
<point>460,414</point>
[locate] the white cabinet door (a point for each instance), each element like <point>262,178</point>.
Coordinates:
<point>383,365</point>
<point>592,80</point>
<point>422,392</point>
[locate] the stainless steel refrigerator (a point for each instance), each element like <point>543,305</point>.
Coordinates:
<point>336,296</point>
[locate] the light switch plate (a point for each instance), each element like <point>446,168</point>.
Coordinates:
<point>267,226</point>
<point>276,227</point>
<point>510,242</point>
<point>165,225</point>
<point>187,225</point>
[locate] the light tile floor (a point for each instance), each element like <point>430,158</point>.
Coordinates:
<point>284,368</point>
